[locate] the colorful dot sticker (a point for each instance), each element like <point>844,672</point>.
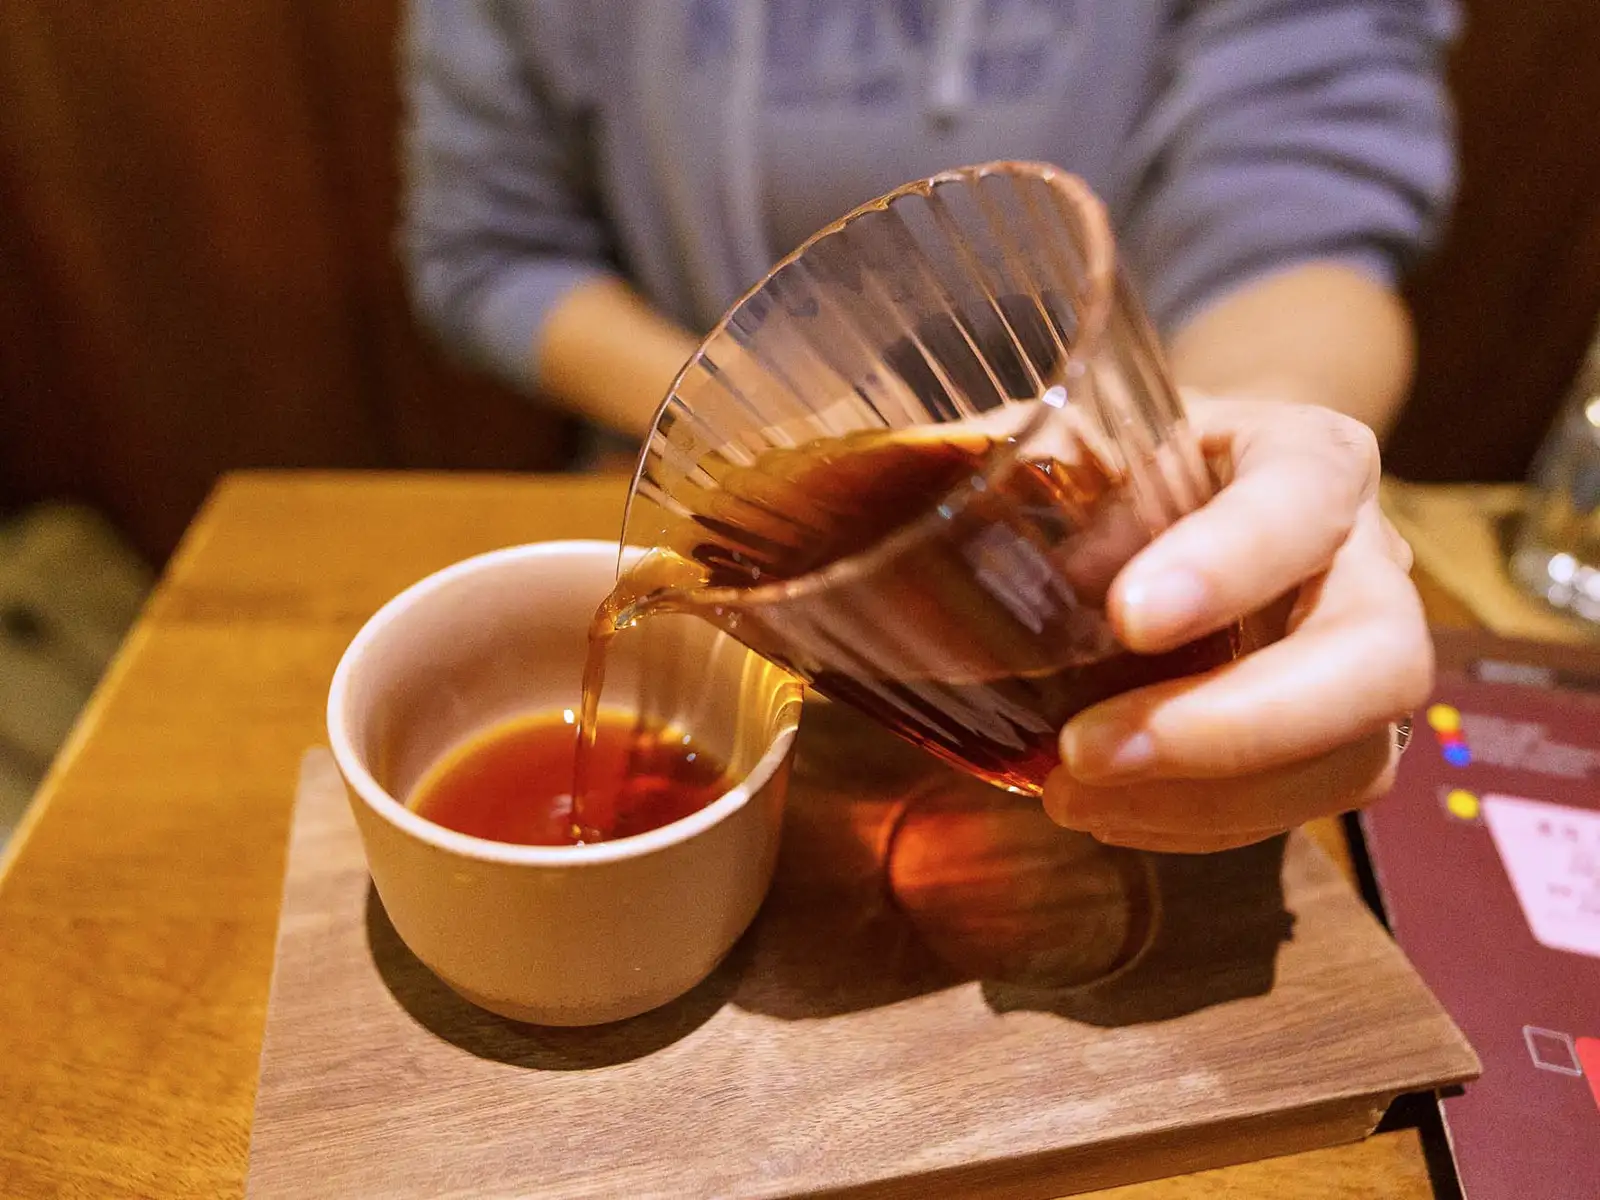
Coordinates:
<point>1462,805</point>
<point>1444,719</point>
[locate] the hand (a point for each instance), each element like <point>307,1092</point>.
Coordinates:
<point>1298,729</point>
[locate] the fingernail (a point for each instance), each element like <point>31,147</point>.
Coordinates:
<point>1100,749</point>
<point>1161,603</point>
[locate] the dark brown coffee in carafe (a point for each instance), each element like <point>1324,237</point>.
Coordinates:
<point>974,626</point>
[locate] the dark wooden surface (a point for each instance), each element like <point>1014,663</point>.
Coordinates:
<point>832,1050</point>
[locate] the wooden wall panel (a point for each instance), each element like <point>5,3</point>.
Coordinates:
<point>1507,307</point>
<point>197,222</point>
<point>439,413</point>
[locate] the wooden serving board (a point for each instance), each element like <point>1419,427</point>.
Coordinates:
<point>834,1052</point>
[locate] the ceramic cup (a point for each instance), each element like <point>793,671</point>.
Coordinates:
<point>559,935</point>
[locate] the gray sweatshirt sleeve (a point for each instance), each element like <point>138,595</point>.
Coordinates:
<point>1291,131</point>
<point>498,225</point>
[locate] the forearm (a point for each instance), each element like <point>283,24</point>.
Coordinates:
<point>1317,334</point>
<point>607,355</point>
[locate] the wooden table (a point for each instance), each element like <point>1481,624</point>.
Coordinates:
<point>139,900</point>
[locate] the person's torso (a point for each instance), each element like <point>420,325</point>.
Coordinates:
<point>727,131</point>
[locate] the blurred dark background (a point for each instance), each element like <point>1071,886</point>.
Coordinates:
<point>197,266</point>
<point>197,204</point>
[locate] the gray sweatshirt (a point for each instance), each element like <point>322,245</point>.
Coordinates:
<point>687,144</point>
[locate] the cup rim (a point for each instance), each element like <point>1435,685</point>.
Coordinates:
<point>1100,279</point>
<point>377,798</point>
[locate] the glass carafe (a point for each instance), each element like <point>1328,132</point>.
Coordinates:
<point>909,463</point>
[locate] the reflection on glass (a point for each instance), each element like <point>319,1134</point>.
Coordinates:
<point>1557,556</point>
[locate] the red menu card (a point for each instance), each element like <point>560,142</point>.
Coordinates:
<point>1487,858</point>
